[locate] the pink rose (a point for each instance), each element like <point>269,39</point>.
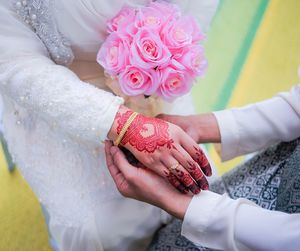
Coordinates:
<point>155,15</point>
<point>134,81</point>
<point>148,51</point>
<point>181,33</point>
<point>147,17</point>
<point>114,54</point>
<point>122,21</point>
<point>193,60</point>
<point>174,83</point>
<point>153,50</point>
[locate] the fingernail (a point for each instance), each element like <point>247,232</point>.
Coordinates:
<point>182,189</point>
<point>194,189</point>
<point>204,185</point>
<point>197,191</point>
<point>207,170</point>
<point>186,191</point>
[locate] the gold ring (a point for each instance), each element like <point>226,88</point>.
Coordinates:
<point>174,167</point>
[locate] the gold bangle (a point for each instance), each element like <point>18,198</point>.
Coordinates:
<point>125,128</point>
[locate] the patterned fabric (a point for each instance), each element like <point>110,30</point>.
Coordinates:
<point>271,179</point>
<point>38,15</point>
<point>289,190</point>
<point>168,238</point>
<point>259,178</point>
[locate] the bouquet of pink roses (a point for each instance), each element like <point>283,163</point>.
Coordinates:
<point>153,50</point>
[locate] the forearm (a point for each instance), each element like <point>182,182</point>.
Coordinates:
<point>48,91</point>
<point>177,205</point>
<point>55,94</point>
<point>207,128</point>
<point>254,127</point>
<point>113,132</point>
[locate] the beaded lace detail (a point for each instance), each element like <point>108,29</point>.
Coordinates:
<point>38,14</point>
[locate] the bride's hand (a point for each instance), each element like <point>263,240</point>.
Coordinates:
<point>164,148</point>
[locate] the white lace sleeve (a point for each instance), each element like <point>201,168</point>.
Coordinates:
<point>52,92</point>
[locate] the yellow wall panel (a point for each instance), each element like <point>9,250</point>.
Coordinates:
<point>272,63</point>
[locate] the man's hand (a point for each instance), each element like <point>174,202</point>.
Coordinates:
<point>142,184</point>
<point>202,128</point>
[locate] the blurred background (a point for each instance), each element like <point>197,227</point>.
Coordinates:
<point>253,49</point>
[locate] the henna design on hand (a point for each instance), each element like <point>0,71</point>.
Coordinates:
<point>146,134</point>
<point>202,161</point>
<point>198,175</point>
<point>174,182</point>
<point>187,181</point>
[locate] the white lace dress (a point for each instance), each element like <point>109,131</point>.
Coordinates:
<point>58,107</point>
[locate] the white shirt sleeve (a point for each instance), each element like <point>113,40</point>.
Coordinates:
<point>254,127</point>
<point>52,92</point>
<point>218,222</point>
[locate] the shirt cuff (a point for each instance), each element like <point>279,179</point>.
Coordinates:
<point>210,221</point>
<point>110,115</point>
<point>230,134</point>
<point>198,214</point>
